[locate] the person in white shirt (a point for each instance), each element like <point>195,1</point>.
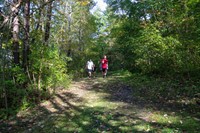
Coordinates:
<point>89,67</point>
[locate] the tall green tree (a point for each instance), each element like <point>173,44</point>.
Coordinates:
<point>32,66</point>
<point>168,27</point>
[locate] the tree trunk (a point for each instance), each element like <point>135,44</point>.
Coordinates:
<point>15,10</point>
<point>69,54</point>
<point>48,22</point>
<point>26,47</point>
<point>16,40</point>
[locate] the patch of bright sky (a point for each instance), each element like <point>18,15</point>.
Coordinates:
<point>100,4</point>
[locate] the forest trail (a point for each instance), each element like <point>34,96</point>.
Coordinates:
<point>85,107</point>
<point>94,105</point>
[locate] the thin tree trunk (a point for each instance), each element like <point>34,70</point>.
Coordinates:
<point>4,87</point>
<point>48,22</point>
<point>16,40</point>
<point>69,31</point>
<point>3,74</point>
<point>26,47</point>
<point>15,10</point>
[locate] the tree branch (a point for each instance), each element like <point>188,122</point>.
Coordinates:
<point>6,18</point>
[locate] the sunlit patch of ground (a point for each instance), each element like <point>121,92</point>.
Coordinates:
<point>99,105</point>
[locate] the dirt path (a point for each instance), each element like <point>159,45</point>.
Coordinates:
<point>89,105</point>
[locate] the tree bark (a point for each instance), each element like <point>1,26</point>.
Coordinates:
<point>48,22</point>
<point>69,54</point>
<point>26,47</point>
<point>15,10</point>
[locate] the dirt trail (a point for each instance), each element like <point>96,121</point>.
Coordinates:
<point>88,105</point>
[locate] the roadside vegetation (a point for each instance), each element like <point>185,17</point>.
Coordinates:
<point>153,53</point>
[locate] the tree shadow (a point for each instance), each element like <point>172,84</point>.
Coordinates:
<point>66,112</point>
<point>121,92</point>
<point>62,116</point>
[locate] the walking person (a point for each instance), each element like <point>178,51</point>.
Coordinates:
<point>89,67</point>
<point>104,66</point>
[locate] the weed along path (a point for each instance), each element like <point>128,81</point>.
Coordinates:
<point>97,106</point>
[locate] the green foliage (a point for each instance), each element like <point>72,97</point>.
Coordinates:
<point>178,91</point>
<point>47,72</point>
<point>19,75</point>
<point>14,95</point>
<point>159,37</point>
<point>155,53</point>
<point>153,37</point>
<point>123,102</point>
<point>73,35</point>
<point>48,66</point>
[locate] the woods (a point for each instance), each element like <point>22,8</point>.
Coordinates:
<point>157,36</point>
<point>44,44</point>
<point>39,40</point>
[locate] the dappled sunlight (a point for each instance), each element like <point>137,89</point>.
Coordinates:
<point>145,117</point>
<point>99,66</point>
<point>165,118</point>
<point>100,105</point>
<point>143,127</point>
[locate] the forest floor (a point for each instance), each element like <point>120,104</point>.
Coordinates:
<point>102,105</point>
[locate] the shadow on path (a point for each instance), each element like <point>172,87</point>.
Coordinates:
<point>93,106</point>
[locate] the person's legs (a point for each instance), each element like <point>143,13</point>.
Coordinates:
<point>104,72</point>
<point>89,73</point>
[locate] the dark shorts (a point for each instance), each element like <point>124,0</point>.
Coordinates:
<point>104,69</point>
<point>89,70</point>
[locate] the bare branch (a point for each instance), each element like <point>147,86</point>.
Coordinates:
<point>6,18</point>
<point>16,6</point>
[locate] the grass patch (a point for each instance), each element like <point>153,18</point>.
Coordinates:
<point>168,95</point>
<point>120,103</point>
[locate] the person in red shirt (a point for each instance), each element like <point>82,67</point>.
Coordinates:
<point>104,66</point>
